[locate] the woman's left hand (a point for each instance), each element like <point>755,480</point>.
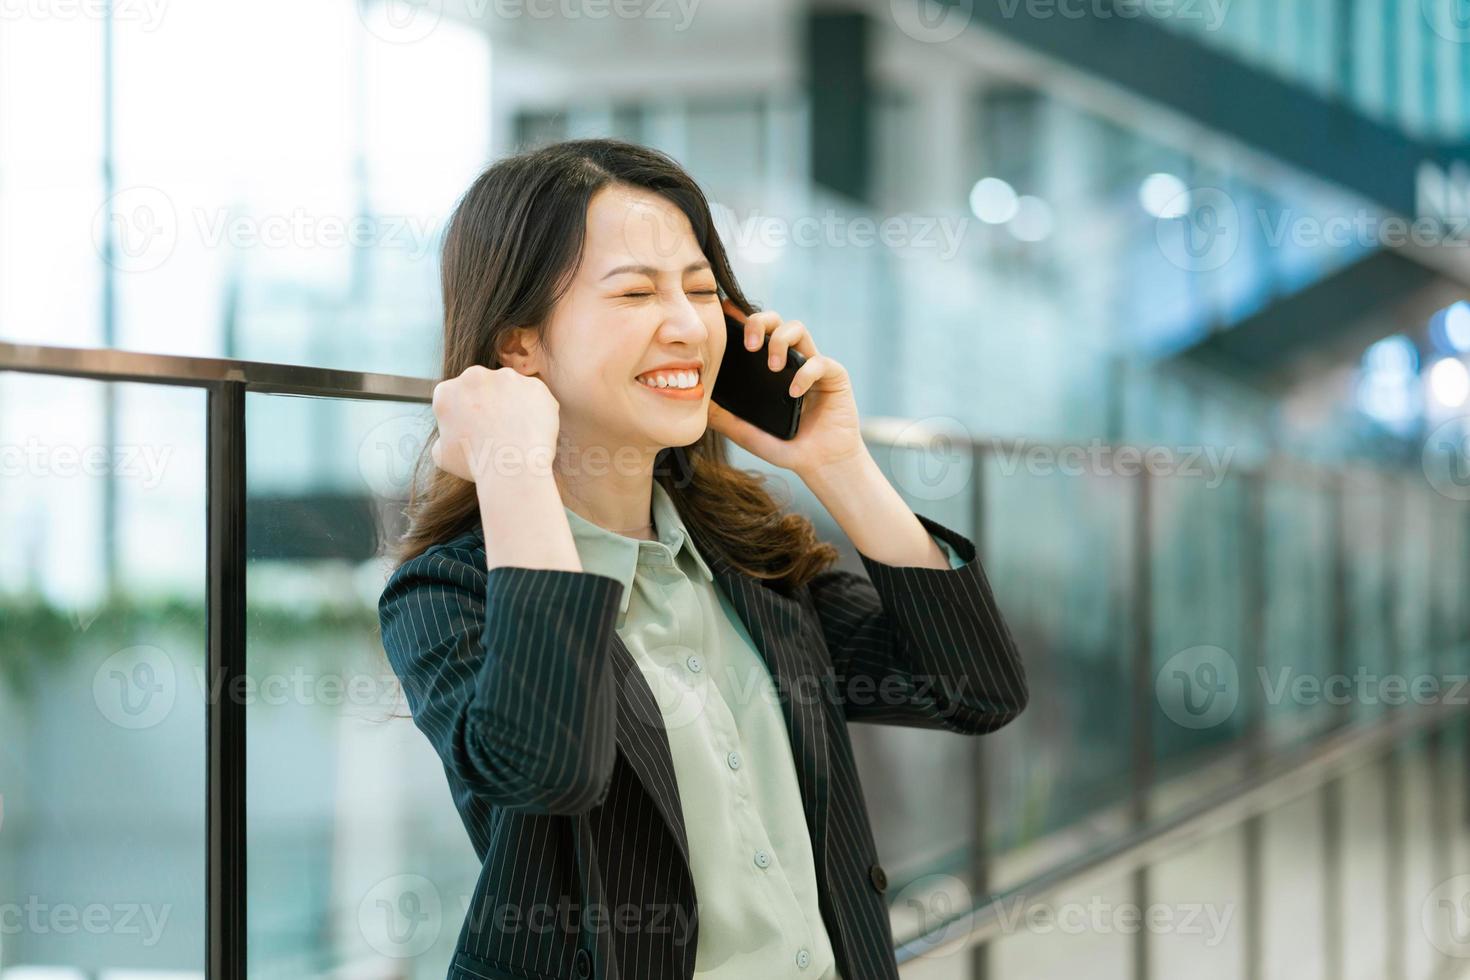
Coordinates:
<point>829,430</point>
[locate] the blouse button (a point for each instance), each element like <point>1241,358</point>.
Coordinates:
<point>762,859</point>
<point>733,759</point>
<point>694,663</point>
<point>803,958</point>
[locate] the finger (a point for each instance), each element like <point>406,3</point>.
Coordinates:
<point>808,375</point>
<point>757,325</point>
<point>783,338</point>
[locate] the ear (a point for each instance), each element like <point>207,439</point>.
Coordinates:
<point>521,350</point>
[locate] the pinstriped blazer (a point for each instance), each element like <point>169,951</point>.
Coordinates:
<point>558,761</point>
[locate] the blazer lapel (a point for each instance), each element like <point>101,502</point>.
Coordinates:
<point>644,742</point>
<point>774,624</point>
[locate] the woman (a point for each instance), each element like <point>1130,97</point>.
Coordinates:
<point>635,668</point>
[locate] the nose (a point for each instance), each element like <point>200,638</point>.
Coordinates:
<point>683,324</point>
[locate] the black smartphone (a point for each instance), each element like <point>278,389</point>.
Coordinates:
<point>746,386</point>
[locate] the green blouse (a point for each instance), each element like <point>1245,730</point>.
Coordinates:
<point>749,848</point>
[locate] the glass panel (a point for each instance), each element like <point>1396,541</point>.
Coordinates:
<point>1079,933</point>
<point>1365,872</point>
<point>1369,581</point>
<point>1292,919</point>
<point>1426,875</point>
<point>1412,585</point>
<point>1199,615</point>
<point>1196,898</point>
<point>1296,662</point>
<point>102,705</point>
<point>357,859</point>
<point>904,770</point>
<point>1057,549</point>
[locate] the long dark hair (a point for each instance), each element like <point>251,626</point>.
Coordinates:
<point>509,253</point>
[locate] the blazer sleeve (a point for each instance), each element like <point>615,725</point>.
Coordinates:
<point>506,671</point>
<point>921,647</point>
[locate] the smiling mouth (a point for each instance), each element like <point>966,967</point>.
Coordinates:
<point>674,384</point>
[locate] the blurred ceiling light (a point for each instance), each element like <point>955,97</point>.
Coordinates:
<point>1164,196</point>
<point>1449,382</point>
<point>993,201</point>
<point>1456,324</point>
<point>1395,354</point>
<point>1387,397</point>
<point>1033,221</point>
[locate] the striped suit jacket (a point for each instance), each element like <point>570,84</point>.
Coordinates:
<point>558,760</point>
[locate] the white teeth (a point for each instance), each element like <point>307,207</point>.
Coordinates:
<point>671,379</point>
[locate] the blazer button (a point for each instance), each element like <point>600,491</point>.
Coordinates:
<point>877,877</point>
<point>582,964</point>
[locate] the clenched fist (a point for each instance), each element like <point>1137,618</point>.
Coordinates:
<point>491,420</point>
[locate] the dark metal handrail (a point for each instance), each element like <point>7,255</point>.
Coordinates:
<point>227,381</point>
<point>1275,783</point>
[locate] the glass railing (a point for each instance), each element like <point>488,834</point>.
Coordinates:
<point>194,592</point>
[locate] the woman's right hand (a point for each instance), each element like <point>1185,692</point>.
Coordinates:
<point>492,421</point>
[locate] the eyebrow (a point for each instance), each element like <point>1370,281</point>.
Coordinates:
<point>651,272</point>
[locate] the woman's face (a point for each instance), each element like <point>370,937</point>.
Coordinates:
<point>643,298</point>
